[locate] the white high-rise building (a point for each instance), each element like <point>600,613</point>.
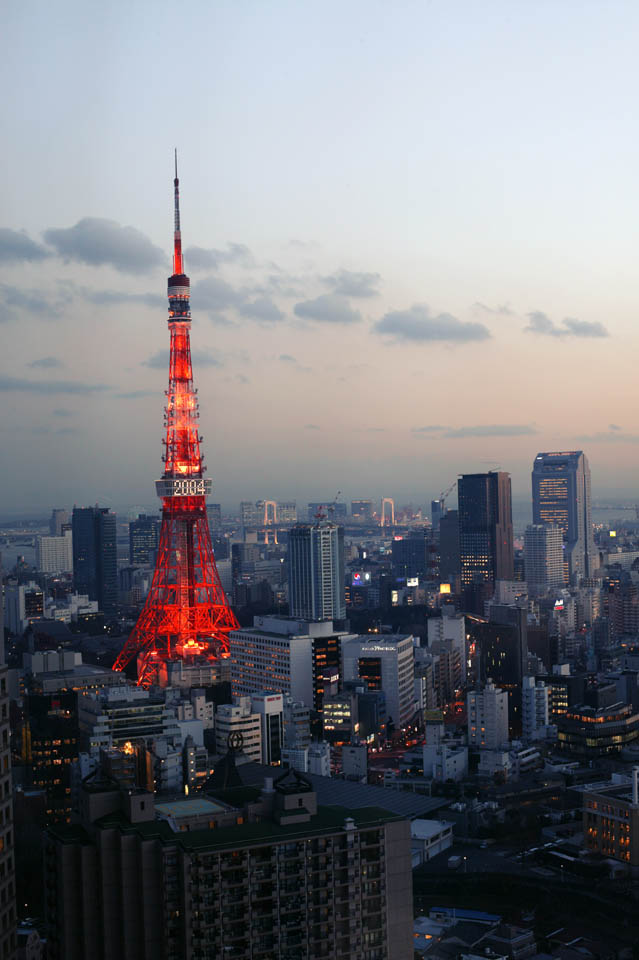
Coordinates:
<point>319,758</point>
<point>238,718</point>
<point>316,571</point>
<point>55,554</point>
<point>451,626</point>
<point>297,724</point>
<point>23,602</point>
<point>385,663</point>
<point>534,708</point>
<point>269,707</point>
<point>488,717</point>
<point>284,655</point>
<point>544,557</point>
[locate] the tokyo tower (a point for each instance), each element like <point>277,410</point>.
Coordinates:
<point>186,613</point>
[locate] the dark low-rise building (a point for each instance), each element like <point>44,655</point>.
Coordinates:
<point>584,731</point>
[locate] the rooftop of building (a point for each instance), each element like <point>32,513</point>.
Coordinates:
<point>426,829</point>
<point>193,807</point>
<point>354,796</point>
<point>328,820</point>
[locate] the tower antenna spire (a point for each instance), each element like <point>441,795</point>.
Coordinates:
<point>186,615</point>
<point>178,262</point>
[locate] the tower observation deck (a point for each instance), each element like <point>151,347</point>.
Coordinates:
<point>186,613</point>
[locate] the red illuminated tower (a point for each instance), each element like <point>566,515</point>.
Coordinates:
<point>186,613</point>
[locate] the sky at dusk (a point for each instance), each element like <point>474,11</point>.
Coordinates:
<point>411,232</point>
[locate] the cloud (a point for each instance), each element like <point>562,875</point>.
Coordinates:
<point>137,394</point>
<point>61,412</point>
<point>204,358</point>
<point>428,429</point>
<point>585,328</point>
<point>17,247</point>
<point>15,302</point>
<point>10,384</point>
<point>491,430</point>
<point>160,361</point>
<point>98,242</point>
<point>213,293</point>
<point>311,426</point>
<point>46,363</point>
<point>201,259</point>
<point>613,437</point>
<point>417,325</point>
<point>540,323</point>
<point>501,310</point>
<point>327,308</point>
<point>613,426</point>
<point>241,378</point>
<point>108,298</point>
<point>349,284</point>
<point>293,362</point>
<point>263,310</point>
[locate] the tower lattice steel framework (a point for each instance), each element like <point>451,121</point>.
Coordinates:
<point>186,613</point>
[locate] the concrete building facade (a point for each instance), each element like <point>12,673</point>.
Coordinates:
<point>488,717</point>
<point>197,879</point>
<point>386,663</point>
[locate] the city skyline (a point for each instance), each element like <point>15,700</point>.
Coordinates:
<point>399,289</point>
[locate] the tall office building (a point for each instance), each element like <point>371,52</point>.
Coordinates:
<point>485,527</point>
<point>534,708</point>
<point>316,571</point>
<point>409,556</point>
<point>384,663</point>
<point>449,562</point>
<point>214,513</point>
<point>238,719</point>
<point>437,511</point>
<point>55,554</point>
<point>488,718</point>
<point>544,557</point>
<point>561,497</point>
<point>59,520</point>
<point>284,655</point>
<point>23,603</point>
<point>95,569</point>
<point>144,534</point>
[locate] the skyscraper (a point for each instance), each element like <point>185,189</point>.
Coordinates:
<point>544,557</point>
<point>95,570</point>
<point>409,556</point>
<point>437,510</point>
<point>485,527</point>
<point>55,554</point>
<point>561,496</point>
<point>59,520</point>
<point>144,535</point>
<point>449,563</point>
<point>316,571</point>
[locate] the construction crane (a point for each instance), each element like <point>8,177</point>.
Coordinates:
<point>444,494</point>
